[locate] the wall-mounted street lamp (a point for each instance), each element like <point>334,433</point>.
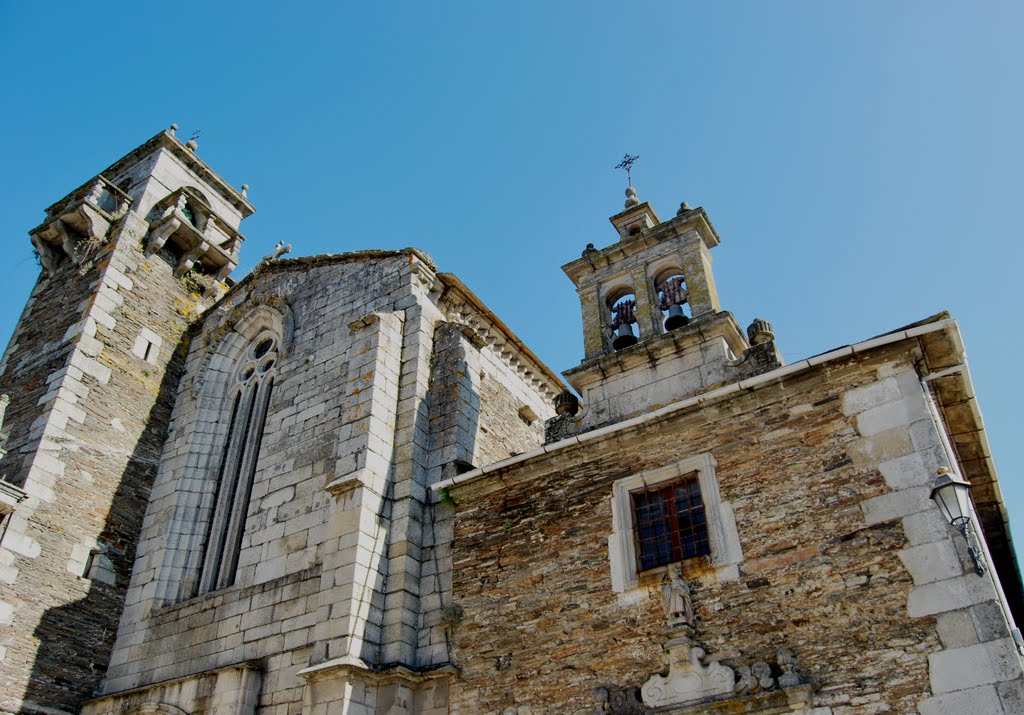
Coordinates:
<point>953,495</point>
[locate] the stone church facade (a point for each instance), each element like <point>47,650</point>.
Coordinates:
<point>341,484</point>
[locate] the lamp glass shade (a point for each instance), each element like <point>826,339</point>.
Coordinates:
<point>952,495</point>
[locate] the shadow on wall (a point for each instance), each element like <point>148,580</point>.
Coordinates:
<point>70,645</point>
<point>450,418</point>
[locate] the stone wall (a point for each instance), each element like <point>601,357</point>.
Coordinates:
<point>90,407</point>
<point>309,430</point>
<point>843,554</point>
<point>337,592</point>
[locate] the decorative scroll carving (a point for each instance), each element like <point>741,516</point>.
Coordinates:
<point>67,240</point>
<point>688,679</point>
<point>47,256</point>
<point>190,258</point>
<point>161,233</point>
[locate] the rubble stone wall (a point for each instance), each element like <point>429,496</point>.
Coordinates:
<point>827,473</point>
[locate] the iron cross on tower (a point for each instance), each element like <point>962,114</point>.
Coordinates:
<point>627,164</point>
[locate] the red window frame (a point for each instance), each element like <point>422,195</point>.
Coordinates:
<point>669,523</point>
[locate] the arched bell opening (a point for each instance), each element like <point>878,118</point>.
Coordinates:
<point>672,299</point>
<point>622,317</point>
<point>196,207</point>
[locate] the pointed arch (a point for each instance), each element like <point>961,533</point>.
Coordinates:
<point>213,489</point>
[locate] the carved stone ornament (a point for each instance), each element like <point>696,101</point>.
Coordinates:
<point>790,678</point>
<point>688,679</point>
<point>619,701</point>
<point>676,599</point>
<point>566,403</point>
<point>754,678</point>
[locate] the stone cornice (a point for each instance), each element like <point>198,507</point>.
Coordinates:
<point>591,261</point>
<point>10,497</point>
<point>172,144</point>
<point>472,311</point>
<point>658,347</point>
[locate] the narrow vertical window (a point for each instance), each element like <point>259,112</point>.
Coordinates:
<point>249,398</point>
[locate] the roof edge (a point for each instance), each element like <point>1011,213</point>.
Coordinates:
<point>753,383</point>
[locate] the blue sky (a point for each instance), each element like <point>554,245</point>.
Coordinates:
<point>861,161</point>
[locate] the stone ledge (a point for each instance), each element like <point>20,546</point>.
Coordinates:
<point>10,497</point>
<point>771,702</point>
<point>95,705</point>
<point>387,673</point>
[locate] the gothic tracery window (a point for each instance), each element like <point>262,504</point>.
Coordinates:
<point>246,404</point>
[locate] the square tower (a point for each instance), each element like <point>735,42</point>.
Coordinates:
<point>129,260</point>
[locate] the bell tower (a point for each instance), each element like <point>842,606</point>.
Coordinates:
<point>129,260</point>
<point>654,331</point>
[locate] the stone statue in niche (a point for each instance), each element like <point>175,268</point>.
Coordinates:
<point>676,599</point>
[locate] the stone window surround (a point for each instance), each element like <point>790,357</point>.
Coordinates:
<point>726,552</point>
<point>181,550</point>
<point>147,346</point>
<point>250,395</point>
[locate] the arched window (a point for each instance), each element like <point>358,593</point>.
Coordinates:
<point>672,298</point>
<point>622,315</point>
<point>245,410</point>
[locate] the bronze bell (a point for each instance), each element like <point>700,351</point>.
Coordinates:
<point>624,337</point>
<point>566,403</point>
<point>676,318</point>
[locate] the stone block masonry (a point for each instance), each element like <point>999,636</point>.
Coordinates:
<point>337,593</point>
<point>87,422</point>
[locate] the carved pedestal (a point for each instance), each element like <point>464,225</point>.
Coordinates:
<point>688,679</point>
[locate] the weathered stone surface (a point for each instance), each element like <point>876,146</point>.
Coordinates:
<point>349,506</point>
<point>87,456</point>
<point>533,578</point>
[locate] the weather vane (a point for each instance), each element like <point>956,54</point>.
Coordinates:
<point>627,164</point>
<point>195,136</point>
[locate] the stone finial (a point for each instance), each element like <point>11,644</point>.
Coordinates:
<point>245,190</point>
<point>566,403</point>
<point>683,208</point>
<point>760,331</point>
<point>280,249</point>
<point>631,199</point>
<point>787,662</point>
<point>589,249</point>
<point>174,128</point>
<point>193,145</point>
